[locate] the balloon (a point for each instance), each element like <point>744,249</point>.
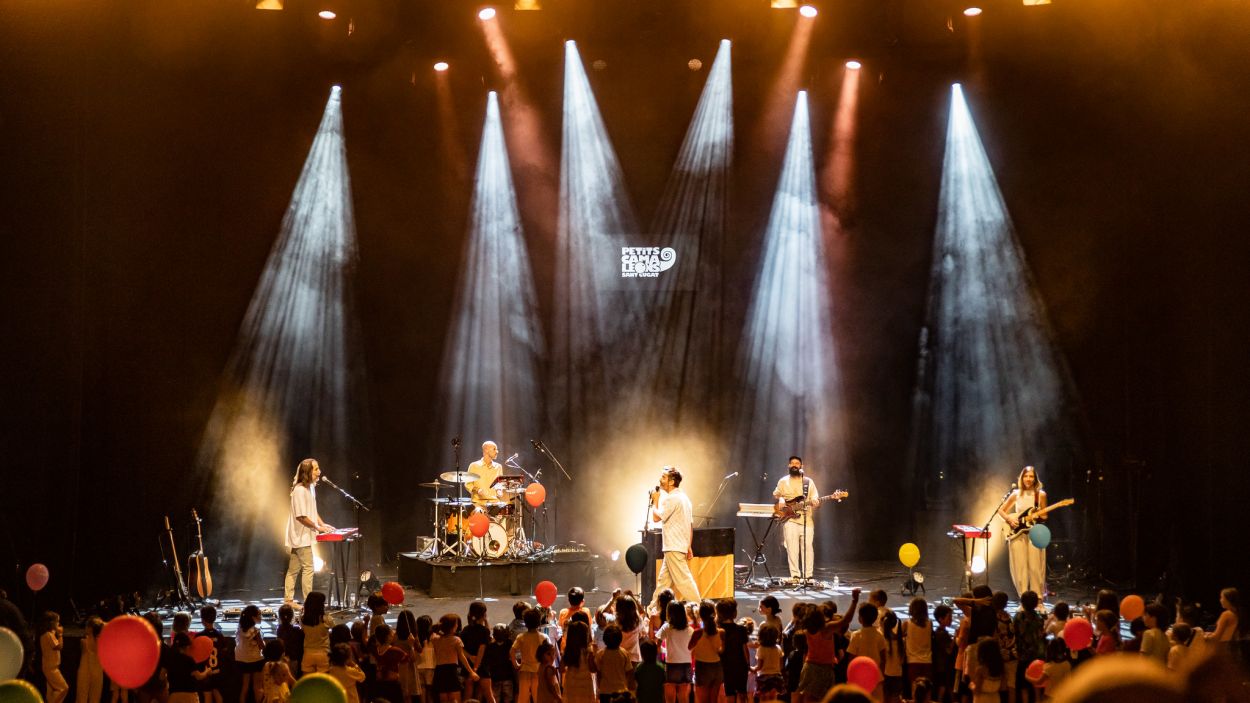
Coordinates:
<point>129,650</point>
<point>392,593</point>
<point>545,592</point>
<point>1132,607</point>
<point>11,654</point>
<point>1078,634</point>
<point>909,554</point>
<point>636,558</point>
<point>19,691</point>
<point>863,672</point>
<point>1034,672</point>
<point>479,524</point>
<point>37,577</point>
<point>201,649</point>
<point>318,688</point>
<point>1039,535</point>
<point>535,494</point>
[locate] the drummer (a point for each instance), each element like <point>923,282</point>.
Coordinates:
<point>487,470</point>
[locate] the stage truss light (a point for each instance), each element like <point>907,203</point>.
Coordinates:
<point>854,65</point>
<point>269,4</point>
<point>783,4</point>
<point>327,14</point>
<point>527,5</point>
<point>486,14</point>
<point>972,12</point>
<point>808,11</point>
<point>441,66</point>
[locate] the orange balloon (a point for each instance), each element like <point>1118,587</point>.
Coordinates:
<point>535,494</point>
<point>479,524</point>
<point>1132,607</point>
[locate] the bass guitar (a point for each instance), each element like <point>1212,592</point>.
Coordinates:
<point>200,577</point>
<point>180,586</point>
<point>793,507</point>
<point>1028,518</point>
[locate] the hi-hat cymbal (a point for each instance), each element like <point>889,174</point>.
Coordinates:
<point>431,484</point>
<point>458,476</point>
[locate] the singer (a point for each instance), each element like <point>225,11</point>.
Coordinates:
<point>487,470</point>
<point>1027,563</point>
<point>302,528</point>
<point>670,506</point>
<point>798,531</point>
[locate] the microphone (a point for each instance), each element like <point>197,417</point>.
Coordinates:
<point>327,481</point>
<point>730,476</point>
<point>1009,490</point>
<point>512,457</point>
<point>536,445</point>
<point>455,441</point>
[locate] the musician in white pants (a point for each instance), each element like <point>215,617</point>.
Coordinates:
<point>798,532</point>
<point>1027,563</point>
<point>670,506</point>
<point>302,528</point>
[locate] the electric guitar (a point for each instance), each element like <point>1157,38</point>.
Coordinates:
<point>1028,518</point>
<point>180,586</point>
<point>198,575</point>
<point>793,507</point>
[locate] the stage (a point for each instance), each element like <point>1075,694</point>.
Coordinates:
<point>446,578</point>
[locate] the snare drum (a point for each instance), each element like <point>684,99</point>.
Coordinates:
<point>498,509</point>
<point>492,545</point>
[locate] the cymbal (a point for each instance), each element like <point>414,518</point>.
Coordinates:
<point>431,484</point>
<point>458,476</point>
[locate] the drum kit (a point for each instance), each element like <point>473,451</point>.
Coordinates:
<point>505,536</point>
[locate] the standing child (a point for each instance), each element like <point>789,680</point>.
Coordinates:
<point>770,608</point>
<point>734,658</point>
<point>1030,637</point>
<point>344,670</point>
<point>1180,636</point>
<point>51,642</point>
<point>769,681</point>
<point>579,683</point>
<point>181,624</point>
<point>987,680</point>
<point>425,665</point>
<point>390,659</point>
<point>292,638</point>
<point>1058,619</point>
<point>549,690</point>
<point>182,671</point>
<point>892,672</point>
<point>1057,667</point>
<point>524,655</point>
<point>868,641</point>
<point>406,641</point>
<point>918,634</point>
<point>614,673</point>
<point>706,645</point>
<point>650,673</point>
<point>943,677</point>
<point>1005,633</point>
<point>90,673</point>
<point>276,675</point>
<point>476,635</point>
<point>499,665</point>
<point>1107,626</point>
<point>675,634</point>
<point>449,656</point>
<point>315,625</point>
<point>249,654</point>
<point>1154,642</point>
<point>219,659</point>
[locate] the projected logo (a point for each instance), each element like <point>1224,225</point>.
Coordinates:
<point>646,262</point>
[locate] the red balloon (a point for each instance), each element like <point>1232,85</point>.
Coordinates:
<point>1078,634</point>
<point>1132,607</point>
<point>201,649</point>
<point>545,592</point>
<point>37,577</point>
<point>864,672</point>
<point>535,494</point>
<point>129,650</point>
<point>1035,671</point>
<point>392,593</point>
<point>478,524</point>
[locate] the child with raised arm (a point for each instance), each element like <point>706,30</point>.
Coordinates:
<point>51,642</point>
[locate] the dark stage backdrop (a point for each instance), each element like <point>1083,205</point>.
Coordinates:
<point>147,157</point>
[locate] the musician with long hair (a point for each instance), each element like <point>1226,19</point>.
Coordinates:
<point>1027,563</point>
<point>302,528</point>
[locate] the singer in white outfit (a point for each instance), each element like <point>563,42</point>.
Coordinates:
<point>1028,563</point>
<point>798,540</point>
<point>302,527</point>
<point>671,507</point>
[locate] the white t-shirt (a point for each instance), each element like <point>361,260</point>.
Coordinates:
<point>303,504</point>
<point>676,520</point>
<point>487,474</point>
<point>676,643</point>
<point>919,643</point>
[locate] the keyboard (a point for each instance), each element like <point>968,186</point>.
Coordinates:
<point>968,532</point>
<point>343,534</point>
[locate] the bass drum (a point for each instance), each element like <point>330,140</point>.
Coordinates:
<point>492,545</point>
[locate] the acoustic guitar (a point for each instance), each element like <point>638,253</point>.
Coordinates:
<point>794,508</point>
<point>1028,518</point>
<point>199,576</point>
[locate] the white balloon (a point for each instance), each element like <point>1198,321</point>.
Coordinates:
<point>11,654</point>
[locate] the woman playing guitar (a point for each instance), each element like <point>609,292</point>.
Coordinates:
<point>1027,563</point>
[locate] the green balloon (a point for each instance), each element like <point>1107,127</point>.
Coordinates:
<point>19,691</point>
<point>318,688</point>
<point>636,558</point>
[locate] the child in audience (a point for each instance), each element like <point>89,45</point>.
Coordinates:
<point>219,659</point>
<point>182,672</point>
<point>771,610</point>
<point>181,623</point>
<point>1188,614</point>
<point>892,672</point>
<point>923,690</point>
<point>918,635</point>
<point>794,644</point>
<point>576,675</point>
<point>628,619</point>
<point>748,626</point>
<point>649,674</point>
<point>249,654</point>
<point>1057,667</point>
<point>425,665</point>
<point>943,676</point>
<point>879,598</point>
<point>378,608</point>
<point>769,681</point>
<point>315,624</point>
<point>1154,642</point>
<point>1005,633</point>
<point>1136,630</point>
<point>1030,637</point>
<point>406,640</point>
<point>389,660</point>
<point>1233,623</point>
<point>706,645</point>
<point>987,680</point>
<point>675,634</point>
<point>476,635</point>
<point>517,626</point>
<point>449,656</point>
<point>1180,636</point>
<point>658,612</point>
<point>868,641</point>
<point>499,664</point>
<point>614,671</point>
<point>344,670</point>
<point>90,673</point>
<point>1107,627</point>
<point>734,659</point>
<point>276,675</point>
<point>1058,619</point>
<point>292,639</point>
<point>51,642</point>
<point>549,690</point>
<point>525,657</point>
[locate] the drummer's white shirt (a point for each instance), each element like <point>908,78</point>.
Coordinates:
<point>487,473</point>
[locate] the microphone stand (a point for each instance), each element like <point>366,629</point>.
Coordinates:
<point>357,506</point>
<point>985,531</point>
<point>555,507</point>
<point>709,510</point>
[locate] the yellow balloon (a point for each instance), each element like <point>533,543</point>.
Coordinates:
<point>909,554</point>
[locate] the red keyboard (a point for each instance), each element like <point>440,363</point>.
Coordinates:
<point>969,532</point>
<point>343,534</point>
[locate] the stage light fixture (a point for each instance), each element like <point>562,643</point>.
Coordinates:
<point>441,66</point>
<point>978,564</point>
<point>694,64</point>
<point>486,14</point>
<point>854,65</point>
<point>784,4</point>
<point>269,4</point>
<point>327,14</point>
<point>972,12</point>
<point>808,11</point>
<point>599,64</point>
<point>527,5</point>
